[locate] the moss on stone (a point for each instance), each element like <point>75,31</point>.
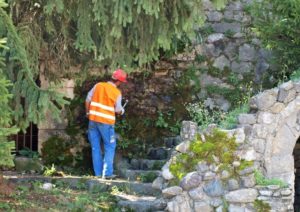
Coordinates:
<point>261,206</point>
<point>218,148</point>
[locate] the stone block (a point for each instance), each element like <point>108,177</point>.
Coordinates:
<point>25,164</point>
<point>171,191</point>
<point>233,184</point>
<point>214,188</point>
<point>183,147</point>
<point>286,96</point>
<point>248,181</point>
<point>158,183</point>
<point>211,51</point>
<point>259,145</point>
<point>266,99</point>
<point>277,107</point>
<point>179,203</point>
<point>215,37</point>
<point>247,118</point>
<point>216,202</point>
<point>267,193</point>
<point>297,86</point>
<point>202,167</point>
<point>197,193</point>
<point>225,27</point>
<point>286,192</point>
<point>242,67</point>
<point>221,63</point>
<point>191,180</point>
<point>189,130</point>
<point>235,208</point>
<point>202,206</point>
<point>247,53</point>
<point>209,175</point>
<point>166,172</point>
<point>266,118</point>
<point>242,195</point>
<point>235,6</point>
<point>230,51</point>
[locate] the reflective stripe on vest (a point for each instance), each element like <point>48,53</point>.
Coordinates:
<point>102,107</point>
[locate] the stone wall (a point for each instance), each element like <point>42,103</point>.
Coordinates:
<point>267,136</point>
<point>51,127</point>
<point>227,48</point>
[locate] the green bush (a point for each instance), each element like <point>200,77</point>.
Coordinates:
<point>6,147</point>
<point>230,119</point>
<point>203,116</point>
<point>277,24</point>
<point>56,151</point>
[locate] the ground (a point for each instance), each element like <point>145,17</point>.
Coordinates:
<point>32,197</point>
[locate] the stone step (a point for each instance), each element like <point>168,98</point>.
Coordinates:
<point>146,164</point>
<point>159,153</point>
<point>90,183</point>
<point>171,142</point>
<point>140,175</point>
<point>140,203</point>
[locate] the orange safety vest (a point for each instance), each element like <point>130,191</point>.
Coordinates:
<point>102,106</point>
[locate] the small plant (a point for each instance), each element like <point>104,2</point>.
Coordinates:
<point>229,33</point>
<point>262,180</point>
<point>56,150</point>
<point>200,58</point>
<point>158,165</point>
<point>148,177</point>
<point>204,116</point>
<point>50,171</point>
<point>295,76</point>
<point>161,121</point>
<point>261,206</point>
<point>230,119</point>
<point>26,152</point>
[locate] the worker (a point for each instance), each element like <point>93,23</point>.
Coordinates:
<point>102,104</point>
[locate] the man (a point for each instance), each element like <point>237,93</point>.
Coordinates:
<point>102,103</point>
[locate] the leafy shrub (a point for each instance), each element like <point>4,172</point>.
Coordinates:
<point>29,153</point>
<point>277,22</point>
<point>203,116</point>
<point>148,177</point>
<point>230,119</point>
<point>56,151</point>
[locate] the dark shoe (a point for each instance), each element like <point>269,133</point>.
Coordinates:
<point>111,177</point>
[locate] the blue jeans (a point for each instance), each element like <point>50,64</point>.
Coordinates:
<point>97,133</point>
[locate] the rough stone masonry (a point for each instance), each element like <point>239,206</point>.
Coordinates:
<point>267,136</point>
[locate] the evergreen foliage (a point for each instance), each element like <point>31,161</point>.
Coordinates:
<point>49,36</point>
<point>6,158</point>
<point>277,23</point>
<point>30,102</point>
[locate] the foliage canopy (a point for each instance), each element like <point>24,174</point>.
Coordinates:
<point>277,24</point>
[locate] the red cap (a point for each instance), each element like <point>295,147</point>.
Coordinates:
<point>120,75</point>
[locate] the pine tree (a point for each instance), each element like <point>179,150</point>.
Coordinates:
<point>131,33</point>
<point>30,101</point>
<point>6,147</point>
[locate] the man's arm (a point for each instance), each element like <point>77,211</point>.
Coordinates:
<point>88,100</point>
<point>118,108</point>
<point>87,106</point>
